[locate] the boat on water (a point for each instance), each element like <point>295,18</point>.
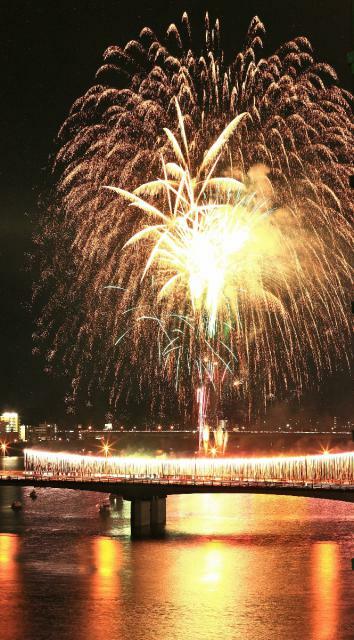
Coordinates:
<point>33,495</point>
<point>16,505</point>
<point>116,502</point>
<point>104,509</point>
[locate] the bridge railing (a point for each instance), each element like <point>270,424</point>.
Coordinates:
<point>171,480</point>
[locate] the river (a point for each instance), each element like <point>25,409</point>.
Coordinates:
<point>231,567</point>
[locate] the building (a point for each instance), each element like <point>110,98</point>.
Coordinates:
<point>23,430</point>
<point>38,433</point>
<point>9,423</point>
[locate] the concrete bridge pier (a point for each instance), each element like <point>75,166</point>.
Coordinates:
<point>158,512</point>
<point>147,516</point>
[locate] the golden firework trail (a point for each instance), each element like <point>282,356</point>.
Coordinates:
<point>331,467</point>
<point>196,244</point>
<point>228,248</point>
<point>231,267</point>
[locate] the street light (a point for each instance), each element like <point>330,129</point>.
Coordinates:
<point>106,448</point>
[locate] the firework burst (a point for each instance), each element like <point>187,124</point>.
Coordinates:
<point>226,243</point>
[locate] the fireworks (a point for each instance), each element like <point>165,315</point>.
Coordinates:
<point>224,253</point>
<point>195,246</point>
<point>334,467</point>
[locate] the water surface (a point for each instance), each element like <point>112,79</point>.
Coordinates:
<point>231,567</point>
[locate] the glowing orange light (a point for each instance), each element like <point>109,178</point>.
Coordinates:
<point>11,585</point>
<point>3,447</point>
<point>105,584</point>
<point>325,451</point>
<point>325,581</point>
<point>106,448</point>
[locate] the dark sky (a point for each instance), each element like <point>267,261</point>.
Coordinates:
<point>49,54</point>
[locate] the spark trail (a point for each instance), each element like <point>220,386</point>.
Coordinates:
<point>228,237</point>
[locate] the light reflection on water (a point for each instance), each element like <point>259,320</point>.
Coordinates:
<point>10,587</point>
<point>231,567</point>
<point>325,587</point>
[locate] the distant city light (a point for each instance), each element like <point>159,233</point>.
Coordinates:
<point>10,422</point>
<point>106,448</point>
<point>3,447</point>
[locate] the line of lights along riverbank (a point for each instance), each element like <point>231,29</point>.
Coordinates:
<point>327,467</point>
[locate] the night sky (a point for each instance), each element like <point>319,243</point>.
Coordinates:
<point>50,52</point>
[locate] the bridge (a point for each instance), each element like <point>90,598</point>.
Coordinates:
<point>146,482</point>
<point>148,495</point>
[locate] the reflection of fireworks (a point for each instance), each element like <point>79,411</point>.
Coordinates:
<point>239,263</point>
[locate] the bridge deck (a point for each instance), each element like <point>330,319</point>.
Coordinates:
<point>132,487</point>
